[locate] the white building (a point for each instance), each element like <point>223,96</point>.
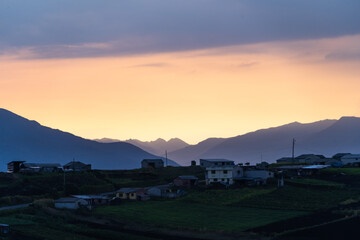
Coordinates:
<point>224,174</point>
<point>350,159</point>
<point>230,174</point>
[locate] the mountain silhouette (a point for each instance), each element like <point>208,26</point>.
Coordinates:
<point>22,139</point>
<point>157,147</point>
<point>325,137</point>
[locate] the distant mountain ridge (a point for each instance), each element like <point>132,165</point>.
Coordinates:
<point>22,139</point>
<point>325,137</point>
<point>157,147</point>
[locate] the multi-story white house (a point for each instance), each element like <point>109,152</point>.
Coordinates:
<point>230,174</point>
<point>224,174</point>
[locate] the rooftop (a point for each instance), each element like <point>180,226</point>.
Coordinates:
<point>90,196</point>
<point>128,190</point>
<point>188,177</point>
<point>216,160</point>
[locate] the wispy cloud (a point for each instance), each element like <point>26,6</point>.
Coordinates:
<point>246,65</point>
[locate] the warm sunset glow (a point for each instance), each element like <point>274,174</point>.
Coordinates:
<point>216,92</point>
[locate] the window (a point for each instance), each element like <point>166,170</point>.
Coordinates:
<point>225,171</point>
<point>216,163</point>
<point>238,171</point>
<point>223,180</point>
<point>215,179</point>
<point>213,171</point>
<point>269,173</point>
<point>223,163</point>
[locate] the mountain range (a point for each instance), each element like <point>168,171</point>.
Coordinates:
<point>22,139</point>
<point>325,137</point>
<point>25,140</point>
<point>157,147</point>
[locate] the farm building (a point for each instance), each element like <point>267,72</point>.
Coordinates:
<point>77,166</point>
<point>185,181</point>
<point>70,203</point>
<point>152,163</point>
<point>215,162</point>
<point>133,194</point>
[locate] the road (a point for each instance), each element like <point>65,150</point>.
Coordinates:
<point>14,207</point>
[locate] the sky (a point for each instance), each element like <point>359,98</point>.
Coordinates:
<point>190,69</point>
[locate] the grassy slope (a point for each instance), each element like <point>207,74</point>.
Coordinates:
<point>35,224</point>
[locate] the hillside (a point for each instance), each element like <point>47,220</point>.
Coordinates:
<point>325,137</point>
<point>22,139</point>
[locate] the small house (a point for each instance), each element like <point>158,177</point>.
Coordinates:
<point>133,194</point>
<point>77,166</point>
<point>186,181</point>
<point>152,163</point>
<point>70,203</point>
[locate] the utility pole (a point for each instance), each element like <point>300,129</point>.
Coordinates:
<point>166,158</point>
<point>293,149</point>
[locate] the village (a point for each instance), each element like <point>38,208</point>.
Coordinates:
<point>218,173</point>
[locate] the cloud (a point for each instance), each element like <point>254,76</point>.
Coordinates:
<point>246,65</point>
<point>91,28</point>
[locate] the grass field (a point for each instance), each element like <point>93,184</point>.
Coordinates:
<point>300,198</point>
<point>184,215</point>
<point>315,182</point>
<point>347,171</point>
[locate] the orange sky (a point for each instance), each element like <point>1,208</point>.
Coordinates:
<point>192,95</point>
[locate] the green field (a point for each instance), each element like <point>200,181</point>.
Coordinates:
<point>315,182</point>
<point>184,215</point>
